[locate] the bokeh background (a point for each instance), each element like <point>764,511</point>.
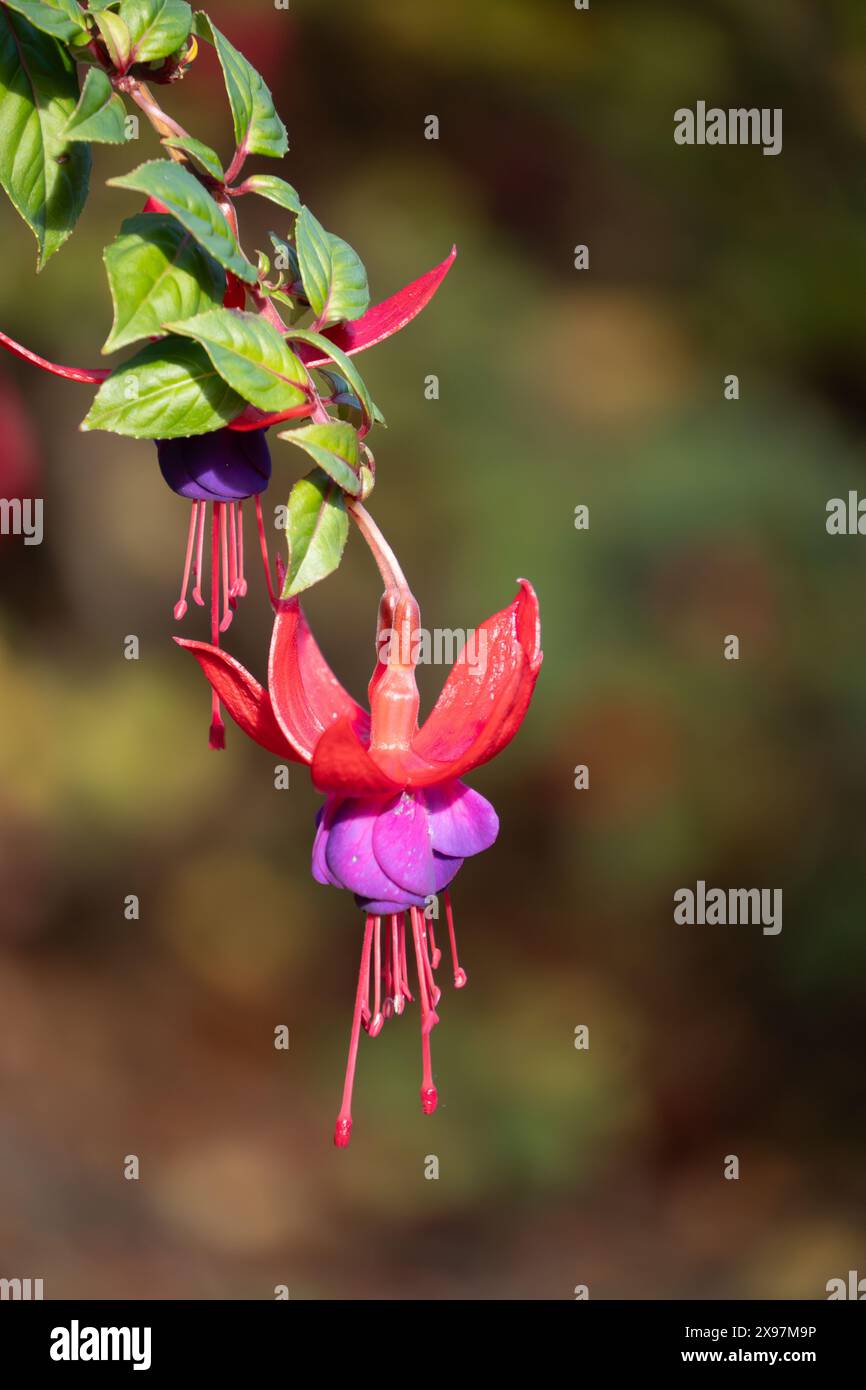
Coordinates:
<point>707,517</point>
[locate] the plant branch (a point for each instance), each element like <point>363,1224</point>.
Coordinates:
<point>162,123</point>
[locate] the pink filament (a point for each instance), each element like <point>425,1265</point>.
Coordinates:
<point>343,1127</point>
<point>459,973</point>
<point>434,994</point>
<point>233,552</point>
<point>264,548</point>
<point>199,557</point>
<point>428,1019</point>
<point>242,583</point>
<point>388,1006</point>
<point>222,508</point>
<point>217,738</point>
<point>397,967</point>
<point>403,970</point>
<point>181,606</point>
<point>377,1020</point>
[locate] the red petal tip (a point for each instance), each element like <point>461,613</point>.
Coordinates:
<point>529,621</point>
<point>93,375</point>
<point>383,320</point>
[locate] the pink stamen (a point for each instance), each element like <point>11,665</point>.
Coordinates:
<point>222,508</point>
<point>459,973</point>
<point>388,1005</point>
<point>365,1006</point>
<point>242,583</point>
<point>181,606</point>
<point>434,994</point>
<point>233,553</point>
<point>429,1097</point>
<point>397,967</point>
<point>343,1127</point>
<point>377,1020</point>
<point>198,571</point>
<point>436,954</point>
<point>429,1018</point>
<point>404,972</point>
<point>217,738</point>
<point>264,548</point>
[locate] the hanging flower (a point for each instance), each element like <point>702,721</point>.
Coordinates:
<point>230,466</point>
<point>398,821</point>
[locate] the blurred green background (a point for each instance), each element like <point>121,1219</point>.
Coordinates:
<point>155,1038</point>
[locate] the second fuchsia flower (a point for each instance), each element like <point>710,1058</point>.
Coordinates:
<point>398,821</point>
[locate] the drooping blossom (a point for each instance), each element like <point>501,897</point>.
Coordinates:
<point>232,465</point>
<point>398,821</point>
<point>224,469</point>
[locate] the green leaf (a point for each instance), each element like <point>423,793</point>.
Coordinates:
<point>45,176</point>
<point>334,447</point>
<point>62,19</point>
<point>274,189</point>
<point>258,128</point>
<point>317,529</point>
<point>167,390</point>
<point>333,274</point>
<point>347,369</point>
<point>157,272</point>
<point>180,191</point>
<point>116,38</point>
<point>100,115</point>
<point>204,156</point>
<point>156,27</point>
<point>251,355</point>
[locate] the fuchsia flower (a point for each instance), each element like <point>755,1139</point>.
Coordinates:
<point>398,821</point>
<point>232,465</point>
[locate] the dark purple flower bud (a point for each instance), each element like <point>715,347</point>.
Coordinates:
<point>225,466</point>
